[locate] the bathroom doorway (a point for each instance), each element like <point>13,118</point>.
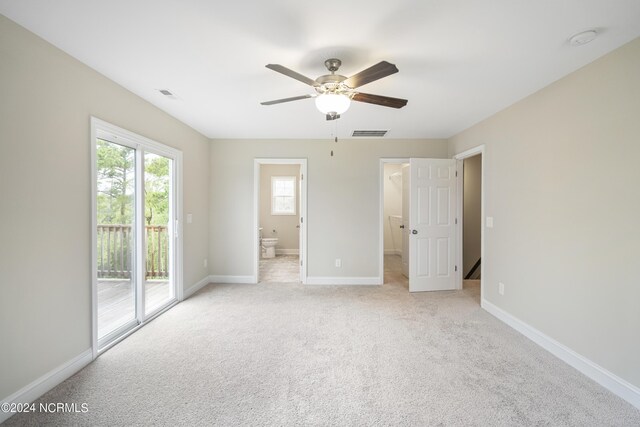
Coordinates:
<point>279,214</point>
<point>395,241</point>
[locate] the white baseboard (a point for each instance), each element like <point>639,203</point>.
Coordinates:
<point>610,381</point>
<point>392,252</point>
<point>287,251</point>
<point>231,279</point>
<point>318,280</point>
<point>37,388</point>
<point>196,287</point>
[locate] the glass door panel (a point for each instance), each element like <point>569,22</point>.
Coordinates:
<point>116,212</point>
<point>158,214</point>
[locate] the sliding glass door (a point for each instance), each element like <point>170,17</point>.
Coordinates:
<point>135,231</point>
<point>116,242</point>
<point>158,231</point>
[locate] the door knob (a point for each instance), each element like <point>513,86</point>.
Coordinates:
<point>402,226</point>
<point>414,231</point>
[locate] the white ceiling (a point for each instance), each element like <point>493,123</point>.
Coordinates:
<point>460,60</point>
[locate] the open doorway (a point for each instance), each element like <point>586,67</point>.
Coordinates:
<point>428,198</point>
<point>470,199</point>
<point>280,207</point>
<point>394,218</point>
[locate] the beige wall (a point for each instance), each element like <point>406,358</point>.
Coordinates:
<point>45,214</point>
<point>392,206</point>
<point>343,200</point>
<point>285,226</point>
<point>567,238</point>
<point>472,213</point>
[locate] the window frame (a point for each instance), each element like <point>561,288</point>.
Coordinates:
<point>274,179</point>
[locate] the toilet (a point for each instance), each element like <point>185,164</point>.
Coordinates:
<point>269,247</point>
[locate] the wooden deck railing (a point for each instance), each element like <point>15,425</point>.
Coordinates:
<point>114,251</point>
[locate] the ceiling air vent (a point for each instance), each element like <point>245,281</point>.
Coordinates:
<point>369,133</point>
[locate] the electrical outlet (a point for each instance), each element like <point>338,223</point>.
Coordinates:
<point>489,222</point>
<point>189,218</point>
<point>338,262</point>
<point>501,288</point>
<point>205,262</point>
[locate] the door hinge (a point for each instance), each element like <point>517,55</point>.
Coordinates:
<point>300,263</point>
<point>301,176</point>
<point>456,220</point>
<point>301,220</point>
<point>456,173</point>
<point>456,268</point>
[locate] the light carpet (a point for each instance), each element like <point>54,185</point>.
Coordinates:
<point>288,354</point>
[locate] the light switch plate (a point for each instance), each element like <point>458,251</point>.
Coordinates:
<point>489,222</point>
<point>189,218</point>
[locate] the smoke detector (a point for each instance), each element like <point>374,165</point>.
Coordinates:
<point>583,37</point>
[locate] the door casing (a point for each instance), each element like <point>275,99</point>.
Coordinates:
<point>480,149</point>
<point>302,162</point>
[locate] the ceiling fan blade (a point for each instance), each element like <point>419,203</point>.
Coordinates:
<point>378,71</point>
<point>287,72</point>
<point>385,101</point>
<point>280,101</point>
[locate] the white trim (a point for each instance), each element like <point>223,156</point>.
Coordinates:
<point>256,216</point>
<point>480,149</point>
<point>318,280</point>
<point>93,122</point>
<point>140,247</point>
<point>216,278</point>
<point>287,251</point>
<point>37,388</point>
<point>381,250</point>
<point>608,380</point>
<point>196,287</point>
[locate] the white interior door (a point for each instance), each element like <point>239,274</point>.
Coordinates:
<point>405,220</point>
<point>432,197</point>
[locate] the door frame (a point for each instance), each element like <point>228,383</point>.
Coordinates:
<point>302,162</point>
<point>384,161</point>
<point>480,149</point>
<point>135,141</point>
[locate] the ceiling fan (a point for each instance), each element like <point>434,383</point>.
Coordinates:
<point>335,92</point>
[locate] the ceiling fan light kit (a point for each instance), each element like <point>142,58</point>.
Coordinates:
<point>332,103</point>
<point>334,92</point>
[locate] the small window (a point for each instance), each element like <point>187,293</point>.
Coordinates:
<point>283,195</point>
